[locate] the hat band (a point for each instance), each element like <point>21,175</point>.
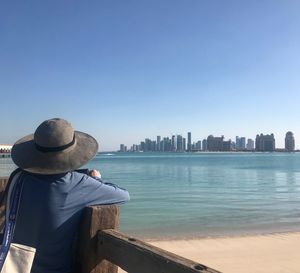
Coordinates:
<point>54,149</point>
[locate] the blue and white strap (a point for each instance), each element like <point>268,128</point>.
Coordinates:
<point>12,207</point>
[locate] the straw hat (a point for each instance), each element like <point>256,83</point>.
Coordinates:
<point>54,148</point>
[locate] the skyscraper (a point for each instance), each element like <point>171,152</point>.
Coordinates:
<point>250,144</point>
<point>158,140</point>
<point>173,144</point>
<point>240,143</point>
<point>166,145</point>
<point>204,145</point>
<point>265,143</point>
<point>289,142</point>
<point>184,144</point>
<point>148,144</point>
<point>189,143</point>
<point>237,142</point>
<point>215,144</point>
<point>198,145</point>
<point>153,146</point>
<point>226,146</point>
<point>122,148</point>
<point>179,143</point>
<point>243,143</point>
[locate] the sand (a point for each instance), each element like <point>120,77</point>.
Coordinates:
<point>272,253</point>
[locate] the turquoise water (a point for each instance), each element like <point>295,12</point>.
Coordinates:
<point>206,194</point>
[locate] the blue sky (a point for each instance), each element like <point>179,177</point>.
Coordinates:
<point>126,70</point>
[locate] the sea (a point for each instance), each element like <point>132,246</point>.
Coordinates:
<point>192,195</point>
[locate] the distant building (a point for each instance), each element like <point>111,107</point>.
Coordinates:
<point>5,148</point>
<point>122,148</point>
<point>153,146</point>
<point>135,148</point>
<point>184,144</point>
<point>173,143</point>
<point>226,146</point>
<point>289,142</point>
<point>214,144</point>
<point>265,143</point>
<point>240,143</point>
<point>148,144</point>
<point>233,146</point>
<point>158,140</point>
<point>250,144</point>
<point>142,146</point>
<point>243,143</point>
<point>217,144</point>
<point>198,145</point>
<point>189,142</point>
<point>204,145</point>
<point>167,145</point>
<point>163,145</point>
<point>237,142</point>
<point>179,141</point>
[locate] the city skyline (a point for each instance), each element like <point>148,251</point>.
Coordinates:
<point>280,141</point>
<point>180,143</point>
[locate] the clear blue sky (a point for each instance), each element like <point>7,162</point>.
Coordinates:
<point>124,70</point>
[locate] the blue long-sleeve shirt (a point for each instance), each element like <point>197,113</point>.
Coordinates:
<point>50,212</point>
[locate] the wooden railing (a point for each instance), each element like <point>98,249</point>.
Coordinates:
<point>3,182</point>
<point>102,248</point>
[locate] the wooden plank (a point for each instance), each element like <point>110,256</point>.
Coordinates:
<point>94,219</point>
<point>135,256</point>
<point>3,183</point>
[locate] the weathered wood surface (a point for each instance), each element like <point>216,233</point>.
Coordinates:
<point>3,183</point>
<point>94,219</point>
<point>135,256</point>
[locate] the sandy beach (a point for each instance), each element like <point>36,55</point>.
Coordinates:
<point>271,253</point>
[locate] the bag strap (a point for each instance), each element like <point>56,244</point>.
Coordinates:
<point>12,208</point>
<point>4,195</point>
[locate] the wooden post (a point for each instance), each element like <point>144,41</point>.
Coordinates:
<point>3,183</point>
<point>94,219</point>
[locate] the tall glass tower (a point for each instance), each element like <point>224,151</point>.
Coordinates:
<point>189,142</point>
<point>289,142</point>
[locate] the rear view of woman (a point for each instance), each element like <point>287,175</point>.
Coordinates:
<point>54,194</point>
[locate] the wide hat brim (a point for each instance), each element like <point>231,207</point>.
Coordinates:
<point>26,156</point>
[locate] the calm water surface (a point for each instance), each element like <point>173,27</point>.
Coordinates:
<point>206,194</point>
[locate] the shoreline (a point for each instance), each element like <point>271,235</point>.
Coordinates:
<point>214,237</point>
<point>265,253</point>
<point>217,235</point>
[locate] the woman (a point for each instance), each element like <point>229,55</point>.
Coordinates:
<point>54,194</point>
